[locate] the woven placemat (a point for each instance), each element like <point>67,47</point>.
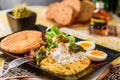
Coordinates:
<point>114,73</point>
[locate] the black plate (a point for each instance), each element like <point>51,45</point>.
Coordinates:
<point>112,54</point>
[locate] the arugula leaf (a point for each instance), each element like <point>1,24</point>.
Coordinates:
<point>55,29</point>
<point>54,36</point>
<point>40,55</point>
<point>76,48</point>
<point>71,40</point>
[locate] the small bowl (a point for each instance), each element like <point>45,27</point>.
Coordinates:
<point>18,24</point>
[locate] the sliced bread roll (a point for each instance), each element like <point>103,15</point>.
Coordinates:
<point>75,4</point>
<point>51,11</point>
<point>60,13</point>
<point>87,8</point>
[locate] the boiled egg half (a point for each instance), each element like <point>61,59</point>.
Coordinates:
<point>87,45</point>
<point>96,55</point>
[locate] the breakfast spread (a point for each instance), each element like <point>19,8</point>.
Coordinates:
<point>54,50</point>
<point>21,42</point>
<point>60,54</point>
<point>68,12</point>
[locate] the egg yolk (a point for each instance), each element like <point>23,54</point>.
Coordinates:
<point>97,53</point>
<point>85,45</point>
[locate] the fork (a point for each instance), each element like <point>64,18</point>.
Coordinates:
<point>15,63</point>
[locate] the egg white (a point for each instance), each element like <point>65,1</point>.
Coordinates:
<point>95,57</point>
<point>87,48</point>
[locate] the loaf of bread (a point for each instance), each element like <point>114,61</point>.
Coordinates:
<point>68,12</point>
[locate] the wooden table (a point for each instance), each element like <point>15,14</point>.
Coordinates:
<point>41,19</point>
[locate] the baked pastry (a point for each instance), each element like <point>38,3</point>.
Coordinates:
<point>21,42</point>
<point>60,13</point>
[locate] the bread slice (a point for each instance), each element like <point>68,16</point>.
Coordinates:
<point>60,13</point>
<point>87,8</point>
<point>21,42</point>
<point>75,4</point>
<point>64,15</point>
<point>51,10</point>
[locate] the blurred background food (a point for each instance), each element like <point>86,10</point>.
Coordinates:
<point>78,12</point>
<point>81,11</point>
<point>21,17</point>
<point>21,11</point>
<point>110,5</point>
<point>8,4</point>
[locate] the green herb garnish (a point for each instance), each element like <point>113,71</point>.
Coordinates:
<point>40,55</point>
<point>76,48</point>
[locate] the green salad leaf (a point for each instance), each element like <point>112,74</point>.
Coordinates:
<point>52,37</point>
<point>40,55</point>
<point>71,40</point>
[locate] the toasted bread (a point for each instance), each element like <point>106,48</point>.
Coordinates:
<point>21,42</point>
